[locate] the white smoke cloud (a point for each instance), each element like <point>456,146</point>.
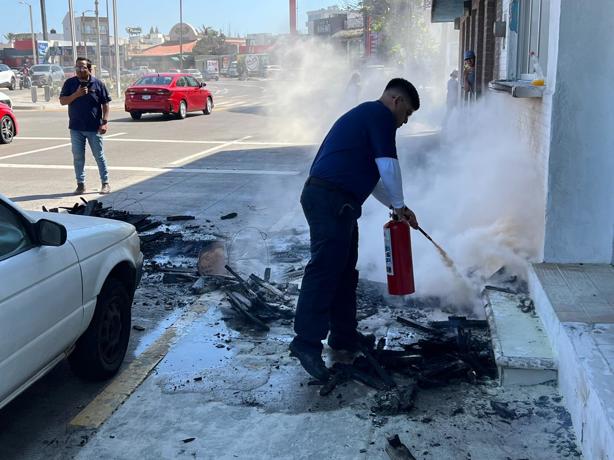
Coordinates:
<point>479,194</point>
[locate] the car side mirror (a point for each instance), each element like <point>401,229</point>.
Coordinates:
<point>49,233</point>
<point>203,84</point>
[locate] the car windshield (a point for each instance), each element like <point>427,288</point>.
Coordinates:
<point>156,80</point>
<point>40,68</point>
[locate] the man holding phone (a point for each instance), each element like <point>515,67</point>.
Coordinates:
<point>88,112</point>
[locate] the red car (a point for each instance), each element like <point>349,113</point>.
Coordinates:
<point>8,124</point>
<point>177,93</point>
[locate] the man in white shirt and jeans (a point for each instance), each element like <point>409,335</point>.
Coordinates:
<point>357,158</point>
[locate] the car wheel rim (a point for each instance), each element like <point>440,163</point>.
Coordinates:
<point>182,109</point>
<point>208,105</point>
<point>111,331</point>
<point>6,129</point>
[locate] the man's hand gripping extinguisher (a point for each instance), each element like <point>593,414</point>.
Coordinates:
<point>399,265</point>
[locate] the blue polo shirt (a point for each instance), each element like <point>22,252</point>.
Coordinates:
<point>85,112</point>
<point>347,155</point>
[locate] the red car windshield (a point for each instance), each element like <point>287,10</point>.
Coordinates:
<point>154,80</point>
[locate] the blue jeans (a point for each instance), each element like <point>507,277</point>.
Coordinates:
<point>327,301</point>
<point>77,139</point>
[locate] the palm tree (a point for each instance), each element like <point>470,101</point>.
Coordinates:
<point>10,37</point>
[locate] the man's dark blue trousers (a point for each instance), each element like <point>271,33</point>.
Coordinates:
<point>327,301</point>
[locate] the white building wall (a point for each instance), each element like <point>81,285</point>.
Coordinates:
<point>533,116</point>
<point>580,201</point>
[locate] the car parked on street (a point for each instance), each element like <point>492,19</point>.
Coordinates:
<point>67,288</point>
<point>5,99</point>
<point>69,71</point>
<point>8,79</point>
<point>46,74</point>
<point>8,125</point>
<point>195,73</point>
<point>166,93</point>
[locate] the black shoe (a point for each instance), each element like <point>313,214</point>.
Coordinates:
<point>354,343</point>
<point>311,360</point>
<point>80,190</point>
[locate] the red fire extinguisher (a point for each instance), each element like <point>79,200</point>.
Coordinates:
<point>399,266</point>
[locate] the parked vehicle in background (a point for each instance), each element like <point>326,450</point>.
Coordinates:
<point>8,79</point>
<point>69,71</point>
<point>195,73</point>
<point>5,99</point>
<point>212,70</point>
<point>143,70</point>
<point>233,69</point>
<point>46,74</point>
<point>174,71</point>
<point>167,93</point>
<point>8,129</point>
<point>67,288</point>
<point>273,72</point>
<point>103,73</point>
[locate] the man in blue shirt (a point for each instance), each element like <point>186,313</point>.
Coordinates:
<point>357,158</point>
<point>88,111</point>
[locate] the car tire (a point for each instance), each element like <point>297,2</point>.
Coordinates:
<point>100,351</point>
<point>7,130</point>
<point>209,107</point>
<point>136,115</point>
<point>13,84</point>
<point>182,111</point>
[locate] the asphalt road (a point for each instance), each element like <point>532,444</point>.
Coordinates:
<point>230,161</point>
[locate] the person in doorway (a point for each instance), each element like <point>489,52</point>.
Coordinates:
<point>88,113</point>
<point>358,157</point>
<point>452,91</point>
<point>469,73</point>
<point>353,89</point>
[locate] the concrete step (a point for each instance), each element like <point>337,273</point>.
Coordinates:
<point>576,305</point>
<point>522,351</point>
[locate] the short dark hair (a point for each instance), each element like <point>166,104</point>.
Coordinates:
<point>409,90</point>
<point>89,62</point>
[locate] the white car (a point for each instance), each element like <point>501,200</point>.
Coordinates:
<point>66,289</point>
<point>4,98</point>
<point>8,79</point>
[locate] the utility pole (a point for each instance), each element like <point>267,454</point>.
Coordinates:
<point>109,42</point>
<point>98,49</point>
<point>44,20</point>
<point>73,38</point>
<point>83,33</point>
<point>180,35</point>
<point>34,53</point>
<point>118,86</point>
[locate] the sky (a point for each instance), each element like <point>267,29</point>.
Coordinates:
<point>241,16</point>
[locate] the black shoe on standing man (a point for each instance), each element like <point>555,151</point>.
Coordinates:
<point>357,158</point>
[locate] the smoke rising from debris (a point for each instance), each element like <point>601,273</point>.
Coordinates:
<point>479,193</point>
<point>476,189</point>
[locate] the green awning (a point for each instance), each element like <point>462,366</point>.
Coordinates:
<point>446,10</point>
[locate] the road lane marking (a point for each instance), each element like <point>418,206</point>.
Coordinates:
<point>207,152</point>
<point>168,169</point>
<point>163,141</point>
<point>119,390</point>
<point>53,147</point>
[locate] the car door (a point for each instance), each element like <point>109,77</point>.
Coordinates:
<point>197,94</point>
<point>5,74</point>
<point>58,73</point>
<point>184,91</point>
<point>41,310</point>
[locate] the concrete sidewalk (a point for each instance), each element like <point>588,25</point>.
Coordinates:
<point>22,100</point>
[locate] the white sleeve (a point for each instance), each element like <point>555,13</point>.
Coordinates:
<point>380,194</point>
<point>390,173</point>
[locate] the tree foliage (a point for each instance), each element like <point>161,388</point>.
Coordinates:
<point>212,42</point>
